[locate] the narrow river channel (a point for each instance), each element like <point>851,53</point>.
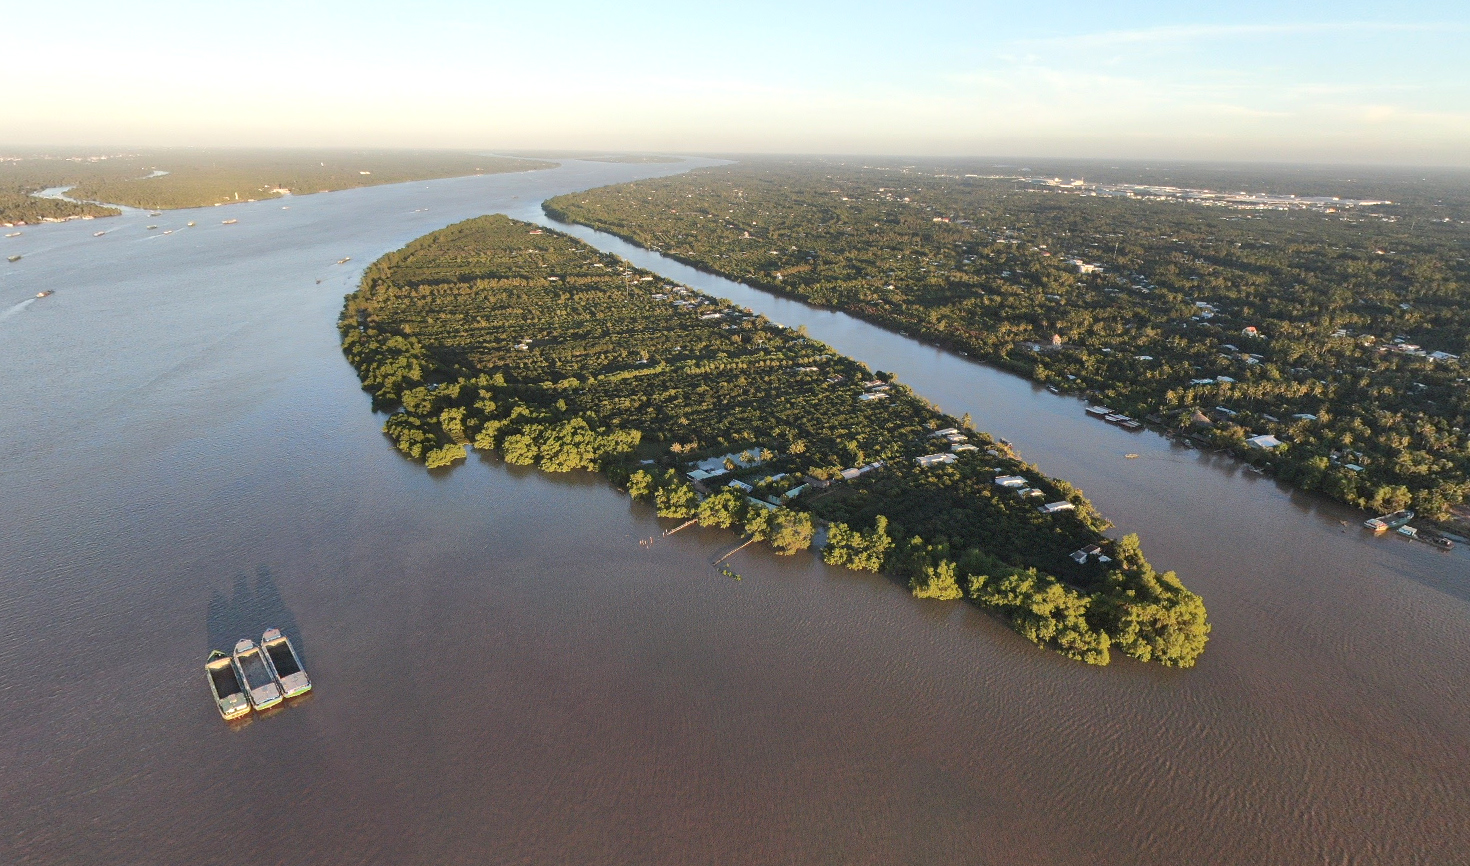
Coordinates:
<point>505,675</point>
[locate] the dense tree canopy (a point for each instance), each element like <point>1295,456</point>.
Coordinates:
<point>1316,326</point>
<point>495,334</point>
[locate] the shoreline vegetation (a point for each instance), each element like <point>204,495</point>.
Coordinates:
<point>189,178</point>
<point>1319,341</point>
<point>497,334</point>
<point>20,207</point>
<point>599,156</point>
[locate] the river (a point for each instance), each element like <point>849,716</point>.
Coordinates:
<point>505,675</point>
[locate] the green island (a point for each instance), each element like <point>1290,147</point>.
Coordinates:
<point>188,178</point>
<point>18,207</point>
<point>495,334</point>
<point>1320,340</point>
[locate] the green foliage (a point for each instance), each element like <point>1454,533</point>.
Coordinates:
<point>1044,611</point>
<point>443,456</point>
<point>19,207</point>
<point>982,264</point>
<point>641,485</point>
<point>858,550</point>
<point>467,336</point>
<point>410,434</point>
<point>939,581</point>
<point>790,531</point>
<point>723,509</point>
<point>759,522</point>
<point>676,500</point>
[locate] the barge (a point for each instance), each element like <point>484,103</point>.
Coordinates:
<point>224,684</point>
<point>284,663</point>
<point>1389,521</point>
<point>255,676</point>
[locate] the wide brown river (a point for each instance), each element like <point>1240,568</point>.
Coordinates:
<point>505,675</point>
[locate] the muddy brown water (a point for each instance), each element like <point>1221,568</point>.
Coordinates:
<point>504,675</point>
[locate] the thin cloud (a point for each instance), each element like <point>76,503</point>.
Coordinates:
<point>1177,33</point>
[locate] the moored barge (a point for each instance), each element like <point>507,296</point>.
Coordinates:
<point>1389,521</point>
<point>224,684</point>
<point>259,684</point>
<point>284,663</point>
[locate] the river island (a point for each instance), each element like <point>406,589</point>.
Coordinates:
<point>506,337</point>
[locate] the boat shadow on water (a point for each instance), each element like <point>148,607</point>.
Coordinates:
<point>250,609</point>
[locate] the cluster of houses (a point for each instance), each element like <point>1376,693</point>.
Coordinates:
<point>715,467</point>
<point>1209,197</point>
<point>1018,485</point>
<point>685,299</point>
<point>65,219</point>
<point>959,443</point>
<point>877,389</point>
<point>1091,551</point>
<point>1401,346</point>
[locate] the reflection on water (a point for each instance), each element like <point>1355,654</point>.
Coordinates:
<point>505,675</point>
<point>248,611</point>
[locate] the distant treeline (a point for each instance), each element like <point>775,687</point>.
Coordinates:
<point>199,178</point>
<point>1335,330</point>
<point>18,207</point>
<point>495,334</point>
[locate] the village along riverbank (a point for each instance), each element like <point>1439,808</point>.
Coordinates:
<point>185,449</point>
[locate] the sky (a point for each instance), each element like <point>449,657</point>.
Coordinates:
<point>1344,81</point>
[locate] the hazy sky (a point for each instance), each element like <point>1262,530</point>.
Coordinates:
<point>1317,81</point>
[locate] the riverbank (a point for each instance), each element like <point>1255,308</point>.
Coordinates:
<point>594,700</point>
<point>171,179</point>
<point>498,333</point>
<point>1161,311</point>
<point>19,208</point>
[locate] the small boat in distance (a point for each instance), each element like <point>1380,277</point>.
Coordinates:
<point>98,234</point>
<point>224,683</point>
<point>12,258</point>
<point>46,294</point>
<point>1389,521</point>
<point>228,222</point>
<point>344,261</point>
<point>155,213</point>
<point>1116,418</point>
<point>190,223</point>
<point>255,676</point>
<point>1437,540</point>
<point>1099,411</point>
<point>284,663</point>
<point>1407,531</point>
<point>13,235</point>
<point>151,228</point>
